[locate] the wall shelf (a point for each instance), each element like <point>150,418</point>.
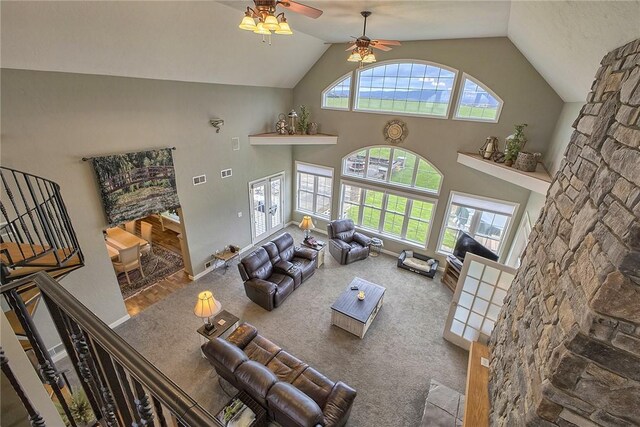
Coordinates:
<point>538,181</point>
<point>276,139</point>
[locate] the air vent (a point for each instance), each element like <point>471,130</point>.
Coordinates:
<point>226,173</point>
<point>197,180</point>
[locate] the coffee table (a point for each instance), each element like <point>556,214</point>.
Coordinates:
<point>353,315</point>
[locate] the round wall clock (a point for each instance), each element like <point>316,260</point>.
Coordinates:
<point>395,131</point>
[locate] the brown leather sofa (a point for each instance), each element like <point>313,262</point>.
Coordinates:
<point>345,243</point>
<point>293,393</point>
<point>273,271</point>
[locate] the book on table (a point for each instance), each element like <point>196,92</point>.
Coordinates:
<point>236,414</point>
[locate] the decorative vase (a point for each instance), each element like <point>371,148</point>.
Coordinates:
<point>313,128</point>
<point>281,125</point>
<point>293,116</point>
<point>526,161</point>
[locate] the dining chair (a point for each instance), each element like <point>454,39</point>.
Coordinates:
<point>145,233</point>
<point>130,226</point>
<point>129,260</point>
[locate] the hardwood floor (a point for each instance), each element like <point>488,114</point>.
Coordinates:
<point>169,240</point>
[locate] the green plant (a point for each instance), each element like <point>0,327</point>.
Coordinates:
<point>303,120</point>
<point>79,407</point>
<point>515,143</point>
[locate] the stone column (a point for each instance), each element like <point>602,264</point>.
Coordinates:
<point>566,349</point>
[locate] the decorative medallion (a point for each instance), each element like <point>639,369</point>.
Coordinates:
<point>395,131</point>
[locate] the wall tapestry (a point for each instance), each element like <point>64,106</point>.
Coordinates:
<point>134,185</point>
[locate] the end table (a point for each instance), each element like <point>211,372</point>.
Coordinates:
<point>320,247</point>
<point>225,323</point>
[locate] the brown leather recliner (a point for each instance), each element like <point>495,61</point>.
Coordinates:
<point>294,394</point>
<point>272,272</point>
<point>345,243</point>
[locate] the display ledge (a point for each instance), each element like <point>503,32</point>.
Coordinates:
<point>538,181</point>
<point>276,139</point>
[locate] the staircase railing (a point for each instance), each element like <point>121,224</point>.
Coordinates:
<point>35,228</point>
<point>123,388</point>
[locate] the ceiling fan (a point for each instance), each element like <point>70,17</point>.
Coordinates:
<point>267,19</point>
<point>362,46</point>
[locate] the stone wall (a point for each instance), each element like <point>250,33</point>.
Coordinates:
<point>566,350</point>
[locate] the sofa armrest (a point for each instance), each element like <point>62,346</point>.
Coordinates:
<point>261,286</point>
<point>243,335</point>
<point>362,239</point>
<point>224,353</point>
<point>282,267</point>
<point>338,406</point>
<point>341,244</point>
<point>306,253</point>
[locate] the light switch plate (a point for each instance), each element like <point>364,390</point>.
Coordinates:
<point>484,362</point>
<point>235,143</point>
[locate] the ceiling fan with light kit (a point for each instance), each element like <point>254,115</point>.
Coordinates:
<point>362,47</point>
<point>263,19</point>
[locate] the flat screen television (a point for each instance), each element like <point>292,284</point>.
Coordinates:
<point>467,243</point>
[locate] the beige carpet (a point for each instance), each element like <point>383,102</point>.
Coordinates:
<point>391,368</point>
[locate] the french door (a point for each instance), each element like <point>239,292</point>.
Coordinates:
<point>266,197</point>
<point>477,301</point>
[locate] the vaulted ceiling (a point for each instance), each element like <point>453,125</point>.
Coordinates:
<point>199,41</point>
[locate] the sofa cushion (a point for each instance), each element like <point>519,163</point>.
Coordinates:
<point>243,335</point>
<point>291,407</point>
<point>285,286</point>
<point>224,353</point>
<point>286,367</point>
<point>315,385</point>
<point>285,245</point>
<point>343,229</point>
<point>257,264</point>
<point>255,379</point>
<point>272,251</point>
<point>261,350</point>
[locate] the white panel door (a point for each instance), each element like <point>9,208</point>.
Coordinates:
<point>477,301</point>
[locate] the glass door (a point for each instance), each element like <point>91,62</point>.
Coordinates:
<point>267,213</point>
<point>477,301</point>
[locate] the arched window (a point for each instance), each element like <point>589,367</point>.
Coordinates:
<point>393,166</point>
<point>408,87</point>
<point>336,96</point>
<point>477,102</point>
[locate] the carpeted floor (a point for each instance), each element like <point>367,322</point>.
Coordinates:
<point>391,368</point>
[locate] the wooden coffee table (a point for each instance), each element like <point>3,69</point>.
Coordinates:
<point>353,315</point>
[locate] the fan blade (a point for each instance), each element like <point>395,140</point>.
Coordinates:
<point>388,42</point>
<point>381,47</point>
<point>300,8</point>
<point>351,47</point>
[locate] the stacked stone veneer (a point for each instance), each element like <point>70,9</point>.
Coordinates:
<point>566,350</point>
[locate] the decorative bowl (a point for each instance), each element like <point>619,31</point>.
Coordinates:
<point>361,295</point>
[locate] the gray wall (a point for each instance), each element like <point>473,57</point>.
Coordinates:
<point>51,120</point>
<point>561,135</point>
<point>493,61</point>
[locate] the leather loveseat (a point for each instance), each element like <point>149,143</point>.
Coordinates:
<point>273,271</point>
<point>345,243</point>
<point>293,393</point>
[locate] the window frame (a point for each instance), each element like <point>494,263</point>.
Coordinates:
<point>388,181</point>
<point>385,195</point>
<point>465,77</point>
<point>334,84</point>
<point>356,84</point>
<point>507,228</point>
<point>315,193</point>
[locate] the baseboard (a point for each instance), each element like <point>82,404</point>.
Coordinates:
<point>58,352</point>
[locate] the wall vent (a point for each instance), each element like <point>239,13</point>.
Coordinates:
<point>201,179</point>
<point>226,173</point>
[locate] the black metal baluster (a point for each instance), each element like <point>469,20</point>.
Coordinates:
<point>28,211</point>
<point>107,395</point>
<point>107,365</point>
<point>59,225</point>
<point>159,412</point>
<point>35,418</point>
<point>143,405</point>
<point>45,364</point>
<point>123,377</point>
<point>67,220</point>
<point>27,237</point>
<point>48,222</point>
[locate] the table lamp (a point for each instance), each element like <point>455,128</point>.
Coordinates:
<point>307,225</point>
<point>206,308</point>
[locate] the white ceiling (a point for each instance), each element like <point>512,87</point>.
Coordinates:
<point>199,41</point>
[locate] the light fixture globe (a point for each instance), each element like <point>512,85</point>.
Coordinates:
<point>260,29</point>
<point>354,57</point>
<point>369,58</point>
<point>284,28</point>
<point>271,23</point>
<point>247,23</point>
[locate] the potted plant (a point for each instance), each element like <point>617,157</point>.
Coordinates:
<point>80,409</point>
<point>514,143</point>
<point>303,120</point>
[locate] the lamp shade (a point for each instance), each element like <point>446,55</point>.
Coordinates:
<point>247,23</point>
<point>284,28</point>
<point>354,57</point>
<point>369,58</point>
<point>306,223</point>
<point>271,23</point>
<point>260,29</point>
<point>207,305</point>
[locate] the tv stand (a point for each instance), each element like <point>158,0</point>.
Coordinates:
<point>451,275</point>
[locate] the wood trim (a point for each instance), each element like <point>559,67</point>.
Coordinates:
<point>476,405</point>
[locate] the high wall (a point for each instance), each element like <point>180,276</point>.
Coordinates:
<point>566,349</point>
<point>495,62</point>
<point>51,120</point>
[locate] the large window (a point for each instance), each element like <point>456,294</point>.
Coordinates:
<point>396,215</point>
<point>413,88</point>
<point>336,96</point>
<point>394,166</point>
<point>477,102</point>
<point>314,189</point>
<point>487,220</point>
